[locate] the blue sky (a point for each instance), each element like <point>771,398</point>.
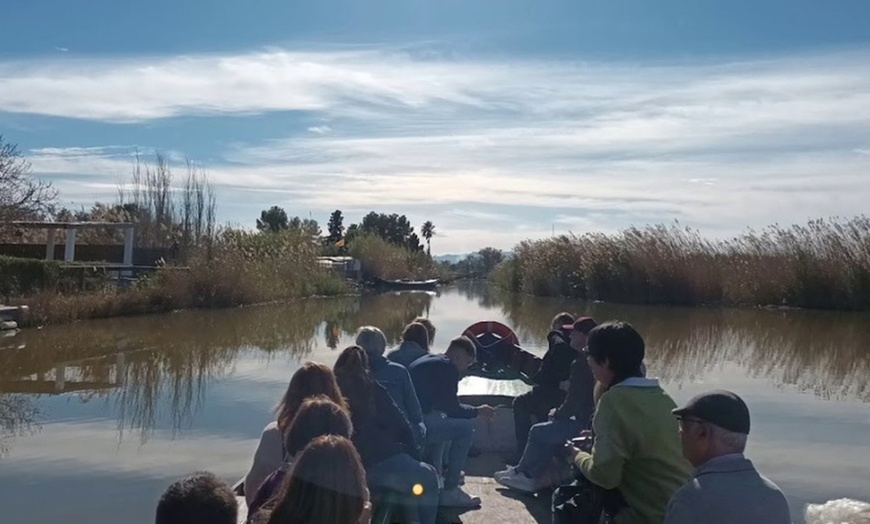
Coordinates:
<point>497,120</point>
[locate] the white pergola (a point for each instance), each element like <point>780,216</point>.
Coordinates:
<point>71,228</point>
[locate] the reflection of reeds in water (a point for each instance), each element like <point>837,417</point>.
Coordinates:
<point>168,361</point>
<point>825,353</point>
<point>18,416</point>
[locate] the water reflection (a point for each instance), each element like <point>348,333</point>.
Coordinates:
<point>826,353</point>
<point>145,366</point>
<point>153,369</point>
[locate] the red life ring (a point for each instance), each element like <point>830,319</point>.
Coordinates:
<point>491,326</point>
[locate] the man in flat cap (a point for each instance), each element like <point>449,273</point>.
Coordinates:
<point>725,487</point>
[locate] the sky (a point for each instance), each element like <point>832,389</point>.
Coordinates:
<point>498,120</point>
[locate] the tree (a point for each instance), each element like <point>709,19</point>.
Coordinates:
<point>273,220</point>
<point>335,226</point>
<point>428,231</point>
<point>489,258</point>
<point>21,194</point>
<point>307,225</point>
<point>395,229</point>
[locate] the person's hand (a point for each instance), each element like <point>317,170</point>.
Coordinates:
<point>564,385</point>
<point>571,451</point>
<point>486,411</point>
<point>552,414</point>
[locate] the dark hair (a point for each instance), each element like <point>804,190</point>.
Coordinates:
<point>201,498</point>
<point>621,346</point>
<point>464,343</point>
<point>430,327</point>
<point>316,416</point>
<point>562,319</point>
<point>310,380</point>
<point>416,332</point>
<point>356,383</point>
<point>326,485</point>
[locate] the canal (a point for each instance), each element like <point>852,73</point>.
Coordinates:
<point>97,418</point>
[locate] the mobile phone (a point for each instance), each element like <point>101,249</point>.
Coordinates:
<point>581,441</point>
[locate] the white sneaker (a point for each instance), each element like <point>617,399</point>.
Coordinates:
<point>510,471</point>
<point>456,498</point>
<point>518,481</point>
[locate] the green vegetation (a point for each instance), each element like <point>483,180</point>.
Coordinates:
<point>825,265</point>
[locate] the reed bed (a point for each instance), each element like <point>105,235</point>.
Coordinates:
<point>824,264</point>
<point>238,268</point>
<point>385,260</point>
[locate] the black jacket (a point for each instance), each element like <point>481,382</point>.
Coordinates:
<point>386,432</point>
<point>556,364</point>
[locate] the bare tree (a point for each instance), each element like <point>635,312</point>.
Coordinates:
<point>21,194</point>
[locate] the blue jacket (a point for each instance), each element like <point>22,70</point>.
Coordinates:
<point>397,381</point>
<point>436,380</point>
<point>406,353</point>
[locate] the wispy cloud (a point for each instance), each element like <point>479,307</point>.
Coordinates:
<point>579,145</point>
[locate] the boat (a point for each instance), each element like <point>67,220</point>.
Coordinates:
<point>406,284</point>
<point>501,373</point>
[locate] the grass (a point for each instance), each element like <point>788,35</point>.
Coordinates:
<point>240,268</point>
<point>824,264</point>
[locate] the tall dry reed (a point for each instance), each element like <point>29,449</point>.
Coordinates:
<point>240,268</point>
<point>824,264</point>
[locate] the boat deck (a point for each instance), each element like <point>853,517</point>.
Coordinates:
<point>499,505</point>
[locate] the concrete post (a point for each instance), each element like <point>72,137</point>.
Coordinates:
<point>69,255</point>
<point>128,245</point>
<point>49,244</point>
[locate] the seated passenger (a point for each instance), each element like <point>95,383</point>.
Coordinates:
<point>636,448</point>
<point>326,485</point>
<point>201,498</point>
<point>430,329</point>
<point>415,344</point>
<point>317,416</point>
<point>547,392</point>
<point>725,486</point>
<point>393,377</point>
<point>545,440</point>
<point>384,439</point>
<point>448,422</point>
<point>309,380</point>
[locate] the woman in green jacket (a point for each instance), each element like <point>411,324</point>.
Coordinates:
<point>637,446</point>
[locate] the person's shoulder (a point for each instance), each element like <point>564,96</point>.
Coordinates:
<point>271,427</point>
<point>396,368</point>
<point>429,359</point>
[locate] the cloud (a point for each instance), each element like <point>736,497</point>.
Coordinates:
<point>320,130</point>
<point>581,145</point>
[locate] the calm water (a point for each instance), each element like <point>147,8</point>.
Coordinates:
<point>147,400</point>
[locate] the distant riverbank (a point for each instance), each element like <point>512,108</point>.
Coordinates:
<point>239,269</point>
<point>822,265</point>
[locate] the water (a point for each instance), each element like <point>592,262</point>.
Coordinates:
<point>150,399</point>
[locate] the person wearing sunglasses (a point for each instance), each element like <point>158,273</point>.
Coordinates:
<point>725,486</point>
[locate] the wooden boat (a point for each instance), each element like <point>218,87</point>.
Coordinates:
<point>500,374</point>
<point>405,284</point>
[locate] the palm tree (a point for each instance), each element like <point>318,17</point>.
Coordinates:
<point>428,231</point>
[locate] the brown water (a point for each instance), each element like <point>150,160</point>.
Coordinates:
<point>142,401</point>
